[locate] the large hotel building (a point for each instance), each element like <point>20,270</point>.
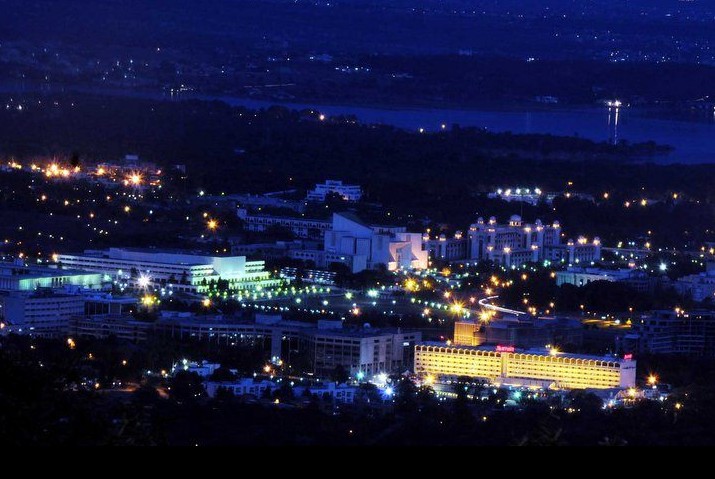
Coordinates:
<point>537,368</point>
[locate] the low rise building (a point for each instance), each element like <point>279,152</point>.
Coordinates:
<point>123,327</point>
<point>637,279</point>
<point>21,277</point>
<point>176,270</point>
<point>699,287</point>
<point>301,227</point>
<point>340,393</point>
<point>346,192</point>
<point>42,312</point>
<point>526,195</point>
<point>327,343</point>
<point>524,332</point>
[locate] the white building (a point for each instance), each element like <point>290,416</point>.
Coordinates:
<point>525,195</point>
<point>341,393</point>
<point>346,192</point>
<point>21,277</point>
<point>42,312</point>
<point>697,286</point>
<point>367,350</point>
<point>177,270</point>
<point>448,249</point>
<point>581,276</point>
<point>364,246</point>
<point>516,243</point>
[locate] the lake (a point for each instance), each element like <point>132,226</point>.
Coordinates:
<point>694,142</point>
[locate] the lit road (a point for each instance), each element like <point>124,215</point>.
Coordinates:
<point>484,302</point>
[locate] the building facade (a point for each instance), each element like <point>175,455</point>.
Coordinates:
<point>179,271</point>
<point>690,333</point>
<point>366,246</point>
<point>516,243</point>
<point>21,277</point>
<point>447,249</point>
<point>351,193</point>
<point>581,276</point>
<point>40,313</point>
<point>361,350</point>
<point>301,227</point>
<point>536,368</point>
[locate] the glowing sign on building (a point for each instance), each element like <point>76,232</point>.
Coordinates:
<point>628,357</point>
<point>505,349</point>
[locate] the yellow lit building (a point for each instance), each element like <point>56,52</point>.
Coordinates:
<point>535,368</point>
<point>465,333</point>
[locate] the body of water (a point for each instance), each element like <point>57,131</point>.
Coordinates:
<point>694,141</point>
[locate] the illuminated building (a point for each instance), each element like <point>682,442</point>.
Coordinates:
<point>638,280</point>
<point>367,350</point>
<point>327,343</point>
<point>535,368</point>
<point>341,393</point>
<point>177,270</point>
<point>369,246</point>
<point>448,249</point>
<point>521,332</point>
<point>525,195</point>
<point>346,192</point>
<point>21,277</point>
<point>516,243</point>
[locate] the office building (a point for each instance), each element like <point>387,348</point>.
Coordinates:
<point>505,365</point>
<point>179,271</point>
<point>42,312</point>
<point>327,343</point>
<point>122,327</point>
<point>21,277</point>
<point>636,279</point>
<point>367,350</point>
<point>516,243</point>
<point>699,286</point>
<point>301,227</point>
<point>346,192</point>
<point>690,333</point>
<point>447,249</point>
<point>523,332</point>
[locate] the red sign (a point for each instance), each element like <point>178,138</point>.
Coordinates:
<point>628,356</point>
<point>505,349</point>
